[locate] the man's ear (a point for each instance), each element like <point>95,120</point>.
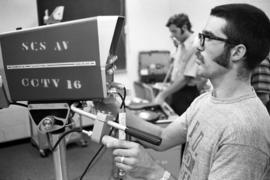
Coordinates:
<point>238,52</point>
<point>184,27</point>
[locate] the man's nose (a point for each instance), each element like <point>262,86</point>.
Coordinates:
<point>197,44</point>
<point>198,54</point>
<point>200,48</point>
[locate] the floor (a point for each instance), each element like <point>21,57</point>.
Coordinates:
<point>22,161</point>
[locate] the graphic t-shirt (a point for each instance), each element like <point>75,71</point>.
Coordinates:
<point>226,139</point>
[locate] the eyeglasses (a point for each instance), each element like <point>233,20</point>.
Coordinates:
<point>203,36</point>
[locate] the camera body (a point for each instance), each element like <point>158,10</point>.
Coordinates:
<point>59,62</point>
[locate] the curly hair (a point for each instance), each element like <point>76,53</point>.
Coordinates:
<point>179,20</point>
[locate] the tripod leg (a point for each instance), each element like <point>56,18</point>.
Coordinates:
<point>59,158</point>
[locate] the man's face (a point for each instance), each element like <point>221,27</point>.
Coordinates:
<point>213,57</point>
<point>176,32</point>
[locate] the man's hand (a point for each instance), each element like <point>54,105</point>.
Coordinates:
<point>133,158</point>
<point>160,99</point>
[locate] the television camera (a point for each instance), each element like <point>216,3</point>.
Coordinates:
<point>56,69</point>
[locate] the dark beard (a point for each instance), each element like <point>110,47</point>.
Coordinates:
<point>224,59</point>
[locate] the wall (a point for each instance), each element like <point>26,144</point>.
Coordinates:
<point>14,122</point>
<point>16,13</point>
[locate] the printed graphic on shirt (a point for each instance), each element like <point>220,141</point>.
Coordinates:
<point>189,158</point>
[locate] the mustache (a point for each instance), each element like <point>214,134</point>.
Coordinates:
<point>199,55</point>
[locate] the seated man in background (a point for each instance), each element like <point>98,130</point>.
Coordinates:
<point>226,130</point>
<point>184,87</point>
<point>260,80</point>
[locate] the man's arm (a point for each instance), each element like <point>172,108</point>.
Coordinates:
<point>260,80</point>
<point>172,135</point>
<point>134,159</point>
<point>177,85</point>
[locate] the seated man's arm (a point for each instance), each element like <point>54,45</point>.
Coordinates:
<point>172,135</point>
<point>135,159</point>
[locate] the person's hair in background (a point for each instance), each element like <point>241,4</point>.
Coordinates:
<point>249,26</point>
<point>180,20</point>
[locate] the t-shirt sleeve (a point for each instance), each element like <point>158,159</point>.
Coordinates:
<point>235,162</point>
